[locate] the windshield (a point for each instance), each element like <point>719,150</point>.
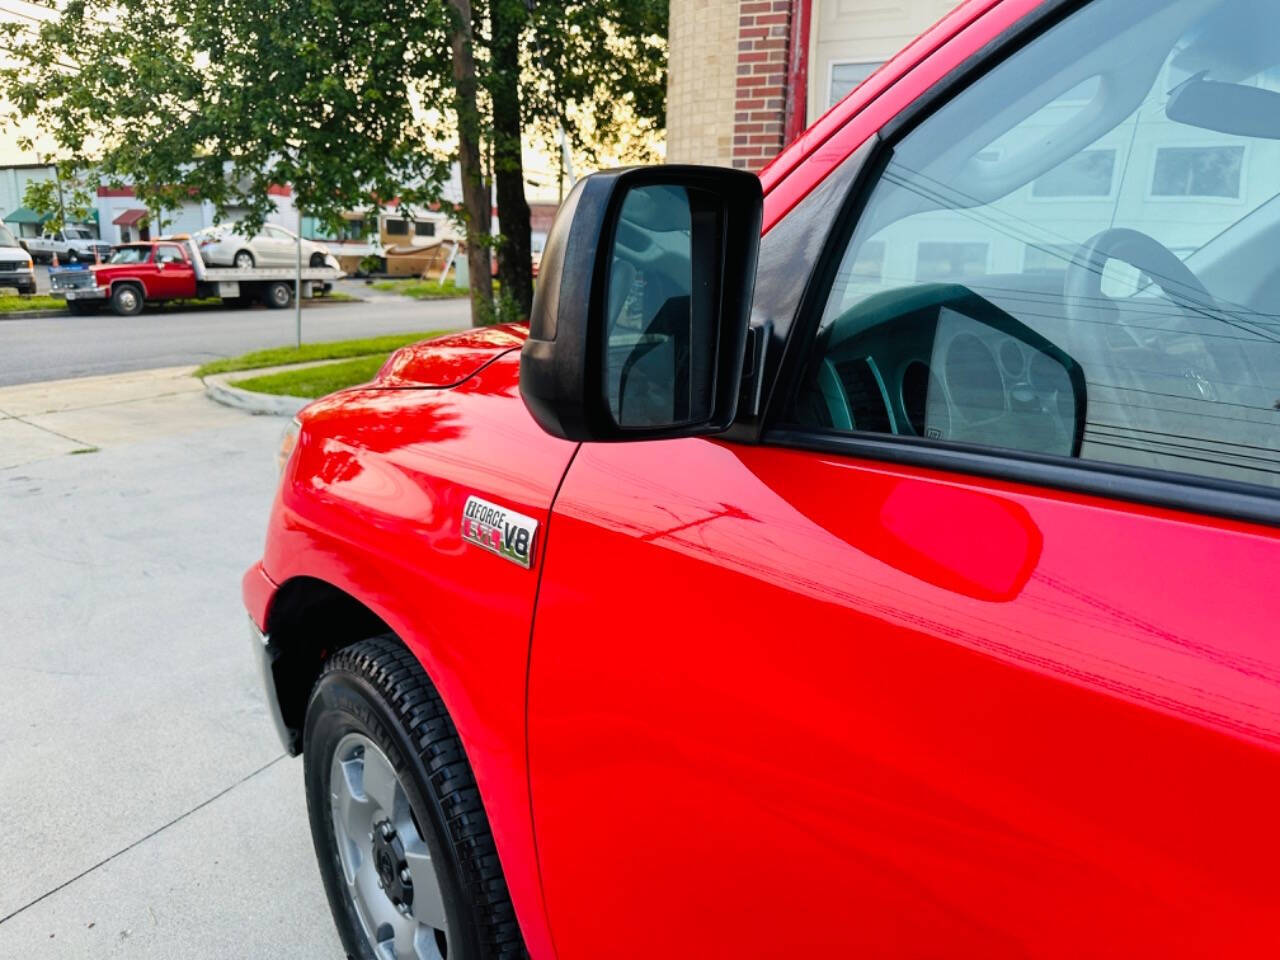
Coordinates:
<point>77,233</point>
<point>6,238</point>
<point>134,254</point>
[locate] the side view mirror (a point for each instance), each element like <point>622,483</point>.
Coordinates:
<point>639,320</point>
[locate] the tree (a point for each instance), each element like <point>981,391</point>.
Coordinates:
<point>67,198</point>
<point>550,65</point>
<point>351,102</point>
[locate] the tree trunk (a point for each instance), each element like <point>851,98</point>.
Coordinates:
<point>515,271</point>
<point>475,198</point>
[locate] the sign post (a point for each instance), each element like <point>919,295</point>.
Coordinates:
<point>297,286</point>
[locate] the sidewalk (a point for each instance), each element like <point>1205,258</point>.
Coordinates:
<point>59,417</point>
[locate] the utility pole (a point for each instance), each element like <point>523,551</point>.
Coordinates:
<point>297,285</point>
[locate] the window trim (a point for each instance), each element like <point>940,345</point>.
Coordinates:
<point>1202,496</point>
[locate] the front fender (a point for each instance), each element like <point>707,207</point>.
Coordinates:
<point>371,503</point>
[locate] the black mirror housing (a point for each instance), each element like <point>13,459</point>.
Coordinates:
<point>640,315</point>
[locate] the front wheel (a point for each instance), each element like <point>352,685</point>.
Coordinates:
<point>243,260</point>
<point>126,300</point>
<point>408,861</point>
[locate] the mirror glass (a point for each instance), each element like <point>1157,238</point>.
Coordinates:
<point>659,365</point>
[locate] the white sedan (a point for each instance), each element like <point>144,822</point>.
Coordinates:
<point>274,246</point>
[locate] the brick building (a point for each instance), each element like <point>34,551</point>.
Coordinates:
<point>747,76</point>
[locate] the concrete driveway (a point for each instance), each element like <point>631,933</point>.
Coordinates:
<point>146,809</point>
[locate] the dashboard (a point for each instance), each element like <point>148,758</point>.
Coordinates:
<point>941,363</point>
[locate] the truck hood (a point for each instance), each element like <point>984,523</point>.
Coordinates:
<point>13,255</point>
<point>447,361</point>
<point>103,273</point>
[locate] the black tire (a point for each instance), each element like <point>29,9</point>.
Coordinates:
<point>278,294</point>
<point>377,689</point>
<point>243,255</point>
<point>126,300</point>
<point>317,259</point>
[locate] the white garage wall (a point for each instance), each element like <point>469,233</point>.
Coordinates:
<point>849,38</point>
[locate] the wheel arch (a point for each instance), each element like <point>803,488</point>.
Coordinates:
<point>309,619</point>
<point>128,282</point>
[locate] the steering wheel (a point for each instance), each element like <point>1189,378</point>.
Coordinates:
<point>1085,301</point>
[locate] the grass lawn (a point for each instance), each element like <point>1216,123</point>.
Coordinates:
<point>315,381</point>
<point>39,301</point>
<point>334,350</point>
<point>337,296</point>
<point>422,289</point>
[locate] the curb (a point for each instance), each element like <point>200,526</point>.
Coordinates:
<point>34,314</point>
<point>217,388</point>
<point>309,303</point>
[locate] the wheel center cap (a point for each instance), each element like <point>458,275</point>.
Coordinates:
<point>392,867</point>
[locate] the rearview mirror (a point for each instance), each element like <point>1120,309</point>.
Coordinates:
<point>640,317</point>
<point>1233,108</point>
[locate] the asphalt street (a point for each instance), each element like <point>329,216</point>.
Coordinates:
<point>146,807</point>
<point>58,347</point>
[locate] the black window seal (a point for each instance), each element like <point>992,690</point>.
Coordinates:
<point>1202,496</point>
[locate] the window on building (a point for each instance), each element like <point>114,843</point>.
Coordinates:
<point>1198,172</point>
<point>1087,174</point>
<point>424,228</point>
<point>942,260</point>
<point>846,76</point>
<point>1046,258</point>
<point>396,227</point>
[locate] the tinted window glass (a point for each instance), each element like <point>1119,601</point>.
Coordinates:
<point>134,254</point>
<point>1076,254</point>
<point>397,228</point>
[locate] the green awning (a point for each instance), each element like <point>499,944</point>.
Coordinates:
<point>26,215</point>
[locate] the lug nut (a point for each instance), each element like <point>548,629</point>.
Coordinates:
<point>404,875</point>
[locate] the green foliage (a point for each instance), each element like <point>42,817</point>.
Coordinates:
<point>422,289</point>
<point>333,350</point>
<point>224,99</point>
<point>316,381</point>
<point>12,303</point>
<point>351,102</point>
<point>68,192</point>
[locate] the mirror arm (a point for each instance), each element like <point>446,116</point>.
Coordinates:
<point>751,394</point>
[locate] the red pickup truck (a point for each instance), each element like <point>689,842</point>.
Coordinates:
<point>171,269</point>
<point>876,558</point>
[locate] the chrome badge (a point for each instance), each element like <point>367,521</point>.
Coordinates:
<point>499,530</point>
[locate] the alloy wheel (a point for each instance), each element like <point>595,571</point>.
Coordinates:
<point>390,877</point>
